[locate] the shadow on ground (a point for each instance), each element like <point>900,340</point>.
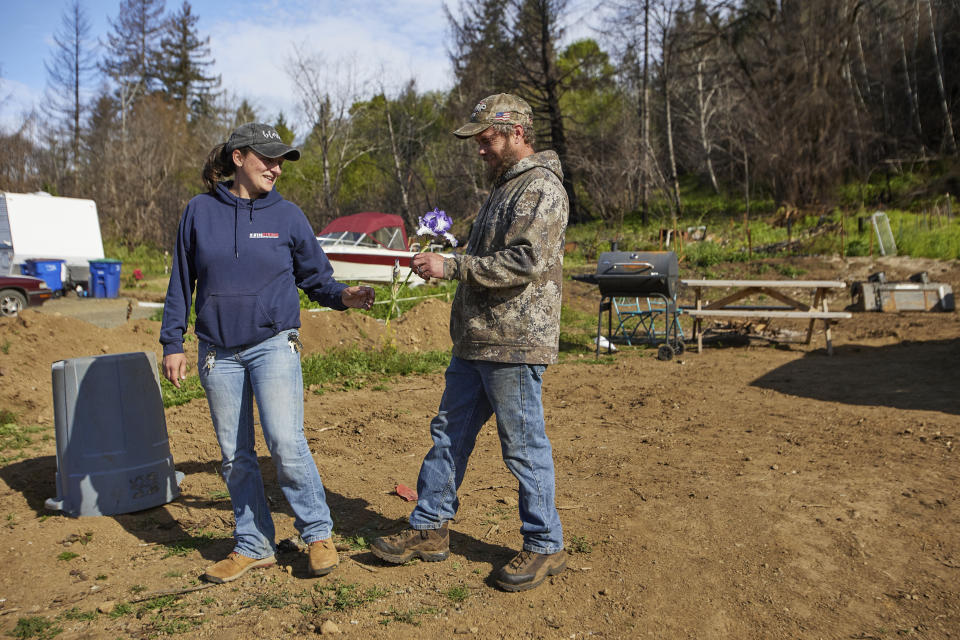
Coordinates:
<point>873,376</point>
<point>34,478</point>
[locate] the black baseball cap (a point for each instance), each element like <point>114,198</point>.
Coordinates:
<point>263,139</point>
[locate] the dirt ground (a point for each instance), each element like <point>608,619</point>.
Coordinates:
<point>754,491</point>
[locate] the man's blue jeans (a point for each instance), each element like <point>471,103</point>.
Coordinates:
<point>270,372</point>
<point>476,390</point>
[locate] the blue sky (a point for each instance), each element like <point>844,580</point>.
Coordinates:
<point>251,42</point>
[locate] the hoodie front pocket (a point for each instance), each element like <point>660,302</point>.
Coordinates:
<point>232,320</point>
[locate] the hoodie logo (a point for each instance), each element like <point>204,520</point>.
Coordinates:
<point>264,235</point>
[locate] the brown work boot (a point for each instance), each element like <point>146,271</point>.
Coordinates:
<point>528,569</point>
<point>431,545</point>
<point>234,566</point>
<point>323,557</point>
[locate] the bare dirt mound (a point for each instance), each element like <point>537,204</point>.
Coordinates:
<point>423,328</point>
<point>751,492</point>
<point>35,340</point>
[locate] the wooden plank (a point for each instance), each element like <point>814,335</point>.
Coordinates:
<point>785,299</point>
<point>762,313</point>
<point>786,284</point>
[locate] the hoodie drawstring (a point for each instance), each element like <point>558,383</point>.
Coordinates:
<point>236,228</point>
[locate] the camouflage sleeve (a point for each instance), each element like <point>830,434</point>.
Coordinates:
<point>539,220</point>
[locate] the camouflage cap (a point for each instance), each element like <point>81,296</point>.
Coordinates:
<point>501,108</point>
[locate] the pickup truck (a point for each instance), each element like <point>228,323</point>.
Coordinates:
<point>19,292</point>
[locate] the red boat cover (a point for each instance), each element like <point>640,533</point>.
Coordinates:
<point>366,222</point>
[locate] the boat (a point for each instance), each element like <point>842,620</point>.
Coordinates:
<point>365,246</point>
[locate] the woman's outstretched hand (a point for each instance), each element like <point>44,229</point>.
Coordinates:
<point>358,297</point>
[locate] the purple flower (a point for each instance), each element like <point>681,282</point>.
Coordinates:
<point>436,223</point>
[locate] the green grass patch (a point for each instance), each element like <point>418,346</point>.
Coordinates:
<point>924,222</point>
<point>122,609</point>
<point>270,600</point>
<point>174,626</point>
<point>356,542</point>
<point>66,556</point>
<point>354,368</point>
<point>340,596</point>
<point>579,544</point>
<point>410,616</point>
<point>577,343</point>
<point>571,318</point>
<point>442,289</point>
<point>160,603</point>
<point>15,437</point>
<point>76,613</point>
<point>458,593</point>
<point>150,260</point>
<point>789,271</point>
<point>708,254</point>
<point>190,389</point>
<point>35,627</point>
<point>347,368</point>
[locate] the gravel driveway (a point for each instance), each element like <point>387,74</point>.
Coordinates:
<point>102,312</point>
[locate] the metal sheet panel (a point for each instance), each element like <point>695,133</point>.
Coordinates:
<point>909,296</point>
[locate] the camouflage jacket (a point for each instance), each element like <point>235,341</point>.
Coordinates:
<point>507,305</point>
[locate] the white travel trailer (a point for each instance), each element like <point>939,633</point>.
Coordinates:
<point>38,226</point>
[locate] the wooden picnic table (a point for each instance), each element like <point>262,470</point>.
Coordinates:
<point>778,290</point>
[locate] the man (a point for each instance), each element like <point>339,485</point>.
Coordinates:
<point>505,326</point>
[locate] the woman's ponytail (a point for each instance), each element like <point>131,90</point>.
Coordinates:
<point>219,165</point>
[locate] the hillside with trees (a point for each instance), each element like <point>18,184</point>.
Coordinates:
<point>754,101</point>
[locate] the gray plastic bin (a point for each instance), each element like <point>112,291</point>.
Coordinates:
<point>112,451</point>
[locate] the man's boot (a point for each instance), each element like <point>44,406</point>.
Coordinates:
<point>431,545</point>
<point>528,569</point>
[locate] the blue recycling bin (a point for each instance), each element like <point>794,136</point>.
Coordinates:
<point>104,278</point>
<point>49,270</point>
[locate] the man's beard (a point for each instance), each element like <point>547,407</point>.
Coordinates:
<point>509,158</point>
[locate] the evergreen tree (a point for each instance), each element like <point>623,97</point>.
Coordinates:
<point>67,71</point>
<point>245,113</point>
<point>132,48</point>
<point>185,62</point>
<point>286,133</point>
<point>511,46</point>
<point>535,32</point>
<point>480,47</point>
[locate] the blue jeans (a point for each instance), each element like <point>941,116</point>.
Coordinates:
<point>476,390</point>
<point>270,372</point>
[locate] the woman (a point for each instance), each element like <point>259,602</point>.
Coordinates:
<point>246,250</point>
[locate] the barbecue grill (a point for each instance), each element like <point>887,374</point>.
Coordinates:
<point>639,274</point>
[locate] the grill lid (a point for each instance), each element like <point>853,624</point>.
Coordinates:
<point>636,273</point>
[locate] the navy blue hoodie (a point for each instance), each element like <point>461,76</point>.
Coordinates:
<point>247,258</point>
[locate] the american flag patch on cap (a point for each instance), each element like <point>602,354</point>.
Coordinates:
<point>503,116</point>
